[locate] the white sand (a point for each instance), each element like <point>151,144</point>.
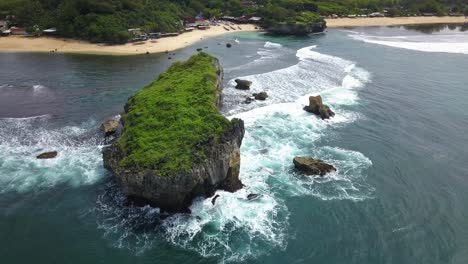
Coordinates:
<point>48,44</point>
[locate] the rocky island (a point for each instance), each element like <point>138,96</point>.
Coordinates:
<point>175,145</point>
<point>302,23</point>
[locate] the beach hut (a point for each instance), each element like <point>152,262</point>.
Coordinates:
<point>376,14</point>
<point>255,19</point>
<point>6,32</point>
<point>189,20</point>
<point>18,31</point>
<point>154,35</point>
<point>49,31</point>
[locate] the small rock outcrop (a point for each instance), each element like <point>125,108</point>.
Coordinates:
<point>252,196</point>
<point>262,96</point>
<point>47,155</point>
<point>243,84</point>
<point>317,107</point>
<point>298,28</point>
<point>109,127</point>
<point>310,166</point>
<point>213,200</point>
<point>248,100</point>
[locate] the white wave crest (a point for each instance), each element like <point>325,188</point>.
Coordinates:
<point>272,45</point>
<point>26,118</point>
<point>6,85</point>
<point>434,45</point>
<point>38,87</point>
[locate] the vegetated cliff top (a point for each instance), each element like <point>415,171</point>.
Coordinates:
<point>169,122</point>
<point>298,18</point>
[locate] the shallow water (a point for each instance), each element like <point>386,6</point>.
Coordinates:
<point>397,141</point>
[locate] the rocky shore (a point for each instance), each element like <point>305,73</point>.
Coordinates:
<point>175,145</point>
<point>298,28</point>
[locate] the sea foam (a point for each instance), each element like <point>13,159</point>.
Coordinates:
<point>22,139</point>
<point>314,73</point>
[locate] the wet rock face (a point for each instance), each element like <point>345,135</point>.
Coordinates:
<point>248,100</point>
<point>109,127</point>
<point>174,193</point>
<point>262,96</point>
<point>310,166</point>
<point>47,155</point>
<point>317,107</point>
<point>243,84</point>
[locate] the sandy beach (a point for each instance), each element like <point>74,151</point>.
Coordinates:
<point>391,21</point>
<point>48,44</point>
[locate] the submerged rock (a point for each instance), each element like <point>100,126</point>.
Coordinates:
<point>243,84</point>
<point>47,155</point>
<point>197,159</point>
<point>317,107</point>
<point>262,96</point>
<point>109,127</point>
<point>213,200</point>
<point>310,166</point>
<point>252,196</point>
<point>248,100</point>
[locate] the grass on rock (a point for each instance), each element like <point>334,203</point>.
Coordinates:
<point>168,121</point>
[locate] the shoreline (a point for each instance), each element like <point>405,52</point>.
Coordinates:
<point>392,21</point>
<point>22,44</point>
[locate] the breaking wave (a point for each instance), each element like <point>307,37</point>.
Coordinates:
<point>314,73</point>
<point>272,45</point>
<point>22,139</point>
<point>433,43</point>
<point>270,52</point>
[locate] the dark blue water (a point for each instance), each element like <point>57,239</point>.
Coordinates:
<point>398,140</point>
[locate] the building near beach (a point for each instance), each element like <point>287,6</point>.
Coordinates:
<point>18,31</point>
<point>255,19</point>
<point>3,25</point>
<point>49,31</point>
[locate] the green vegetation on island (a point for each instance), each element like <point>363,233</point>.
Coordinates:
<point>167,122</point>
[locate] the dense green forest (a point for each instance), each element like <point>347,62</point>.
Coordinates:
<point>108,20</point>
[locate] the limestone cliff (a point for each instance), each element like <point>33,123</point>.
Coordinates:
<point>175,144</point>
